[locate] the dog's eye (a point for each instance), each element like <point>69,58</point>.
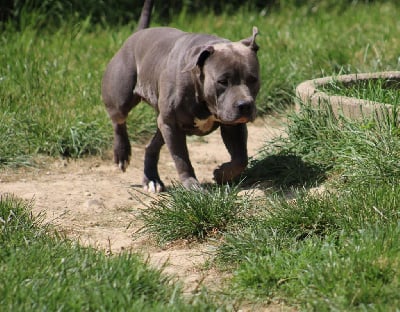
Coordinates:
<point>223,82</point>
<point>252,79</point>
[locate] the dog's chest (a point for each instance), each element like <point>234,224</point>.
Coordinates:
<point>201,126</point>
<point>205,125</point>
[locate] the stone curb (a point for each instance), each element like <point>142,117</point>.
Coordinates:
<point>307,92</point>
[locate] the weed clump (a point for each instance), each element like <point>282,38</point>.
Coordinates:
<point>188,214</point>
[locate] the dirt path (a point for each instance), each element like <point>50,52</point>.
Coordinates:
<point>92,201</point>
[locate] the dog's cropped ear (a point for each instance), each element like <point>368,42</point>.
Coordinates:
<point>251,41</point>
<point>196,57</point>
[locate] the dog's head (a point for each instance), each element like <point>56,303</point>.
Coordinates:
<point>227,75</point>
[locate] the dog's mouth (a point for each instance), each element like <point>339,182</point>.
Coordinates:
<point>240,113</point>
<point>237,121</point>
<point>242,120</point>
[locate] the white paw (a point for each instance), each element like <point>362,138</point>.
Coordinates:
<point>153,187</point>
<point>123,165</point>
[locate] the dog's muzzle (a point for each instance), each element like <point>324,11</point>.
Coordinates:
<point>246,111</point>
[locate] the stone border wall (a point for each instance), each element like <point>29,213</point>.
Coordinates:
<point>307,92</point>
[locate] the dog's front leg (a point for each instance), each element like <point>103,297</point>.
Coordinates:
<point>175,140</point>
<point>235,139</point>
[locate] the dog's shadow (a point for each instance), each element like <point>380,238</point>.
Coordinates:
<point>279,172</point>
<point>283,172</point>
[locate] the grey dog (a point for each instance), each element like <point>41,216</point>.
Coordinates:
<point>196,83</point>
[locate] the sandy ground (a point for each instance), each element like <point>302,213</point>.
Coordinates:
<point>92,201</point>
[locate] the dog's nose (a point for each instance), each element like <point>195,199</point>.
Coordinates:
<point>244,107</point>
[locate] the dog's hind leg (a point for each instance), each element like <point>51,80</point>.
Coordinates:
<point>151,179</point>
<point>117,91</point>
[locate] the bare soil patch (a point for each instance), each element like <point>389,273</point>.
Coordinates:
<point>92,201</point>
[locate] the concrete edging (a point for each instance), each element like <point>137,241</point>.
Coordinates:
<point>307,92</point>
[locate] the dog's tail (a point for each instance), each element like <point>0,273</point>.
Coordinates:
<point>145,16</point>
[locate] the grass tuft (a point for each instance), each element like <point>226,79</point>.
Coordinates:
<point>188,214</point>
<point>16,222</point>
<point>358,150</point>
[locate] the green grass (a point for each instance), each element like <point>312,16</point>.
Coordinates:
<point>360,151</point>
<point>50,94</point>
<point>345,273</point>
<point>335,250</point>
<point>183,214</point>
<point>330,252</point>
<point>378,90</point>
<point>40,270</point>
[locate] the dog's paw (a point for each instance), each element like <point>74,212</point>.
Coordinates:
<point>153,186</point>
<point>222,173</point>
<point>227,172</point>
<point>121,159</point>
<point>123,164</point>
<point>122,149</point>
